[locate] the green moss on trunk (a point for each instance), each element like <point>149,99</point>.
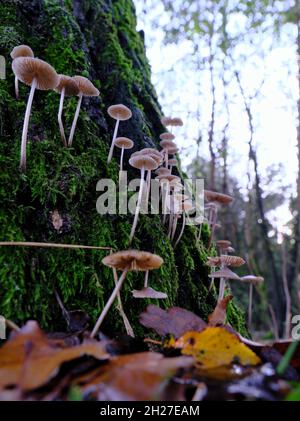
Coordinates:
<point>97,39</point>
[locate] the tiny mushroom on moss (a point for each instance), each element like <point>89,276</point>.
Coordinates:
<point>187,206</point>
<point>119,112</point>
<point>252,281</point>
<point>123,143</point>
<point>20,51</point>
<point>148,292</point>
<point>127,260</point>
<point>67,87</point>
<point>86,88</point>
<point>39,75</point>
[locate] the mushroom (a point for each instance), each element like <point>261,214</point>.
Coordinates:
<point>167,145</point>
<point>187,206</point>
<point>141,162</point>
<point>167,136</point>
<point>20,51</point>
<point>86,88</point>
<point>251,280</point>
<point>165,180</point>
<point>67,87</point>
<point>148,292</point>
<point>166,121</point>
<point>39,75</point>
<point>172,163</point>
<point>223,246</point>
<point>224,273</point>
<point>163,171</point>
<point>128,260</point>
<point>123,143</point>
<point>120,113</point>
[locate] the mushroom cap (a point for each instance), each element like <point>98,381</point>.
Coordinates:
<point>143,161</point>
<point>172,151</point>
<point>223,244</point>
<point>176,121</point>
<point>133,260</point>
<point>167,136</point>
<point>85,86</point>
<point>173,162</point>
<point>119,112</point>
<point>154,153</point>
<point>234,261</point>
<point>27,69</point>
<point>70,85</point>
<point>224,273</point>
<point>230,250</point>
<point>124,142</point>
<point>212,196</point>
<point>167,144</point>
<point>251,279</point>
<point>167,177</point>
<point>166,121</point>
<point>21,51</point>
<point>163,170</point>
<point>148,293</point>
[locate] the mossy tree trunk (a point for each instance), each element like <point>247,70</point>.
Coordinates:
<point>96,39</point>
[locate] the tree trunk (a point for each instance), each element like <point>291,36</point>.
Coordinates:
<point>55,200</point>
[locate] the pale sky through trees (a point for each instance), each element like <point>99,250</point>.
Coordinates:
<point>257,59</point>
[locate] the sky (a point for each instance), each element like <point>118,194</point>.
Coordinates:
<point>273,75</point>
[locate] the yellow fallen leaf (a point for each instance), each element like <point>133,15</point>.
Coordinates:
<point>215,347</point>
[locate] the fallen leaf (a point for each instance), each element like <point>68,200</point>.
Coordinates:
<point>30,359</point>
<point>214,347</point>
<point>175,321</point>
<point>218,317</point>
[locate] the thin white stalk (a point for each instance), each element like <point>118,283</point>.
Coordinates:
<point>109,304</point>
<point>213,226</point>
<point>122,159</point>
<point>148,186</point>
<point>111,151</point>
<point>138,206</point>
<point>146,279</point>
<point>166,159</point>
<point>25,126</point>
<point>250,306</point>
<point>17,87</point>
<point>182,230</point>
<point>221,289</point>
<point>166,194</point>
<point>59,118</point>
<point>75,119</point>
<point>126,322</point>
<point>171,219</point>
<point>199,232</point>
<point>176,217</point>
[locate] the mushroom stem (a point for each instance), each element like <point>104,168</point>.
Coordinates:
<point>221,289</point>
<point>25,126</point>
<point>75,119</point>
<point>138,205</point>
<point>109,303</point>
<point>59,117</point>
<point>148,186</point>
<point>182,230</point>
<point>122,159</point>
<point>146,279</point>
<point>213,225</point>
<point>176,217</point>
<point>126,322</point>
<point>17,87</point>
<point>170,225</point>
<point>199,233</point>
<point>111,151</point>
<point>165,193</point>
<point>166,159</point>
<point>250,306</point>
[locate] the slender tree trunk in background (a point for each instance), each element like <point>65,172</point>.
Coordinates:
<point>275,289</point>
<point>286,291</point>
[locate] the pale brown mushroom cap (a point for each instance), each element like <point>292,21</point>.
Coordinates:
<point>124,143</point>
<point>27,69</point>
<point>234,261</point>
<point>173,162</point>
<point>148,293</point>
<point>21,51</point>
<point>223,244</point>
<point>167,177</point>
<point>212,196</point>
<point>251,279</point>
<point>154,153</point>
<point>119,112</point>
<point>167,144</point>
<point>166,121</point>
<point>176,121</point>
<point>163,170</point>
<point>167,136</point>
<point>172,151</point>
<point>85,86</point>
<point>133,260</point>
<point>70,85</point>
<point>224,273</point>
<point>143,161</point>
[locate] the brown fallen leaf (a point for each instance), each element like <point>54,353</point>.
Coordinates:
<point>133,377</point>
<point>175,321</point>
<point>29,359</point>
<point>218,316</point>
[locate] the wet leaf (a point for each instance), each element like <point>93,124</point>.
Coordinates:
<point>175,321</point>
<point>215,347</point>
<point>218,317</point>
<point>30,359</point>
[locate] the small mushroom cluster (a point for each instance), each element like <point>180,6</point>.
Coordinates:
<point>39,74</point>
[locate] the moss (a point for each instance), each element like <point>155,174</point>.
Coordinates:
<point>96,38</point>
